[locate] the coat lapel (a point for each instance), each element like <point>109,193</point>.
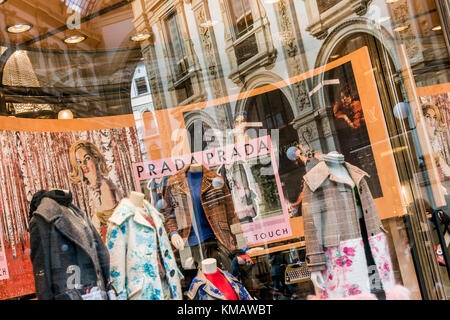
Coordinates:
<point>356,173</point>
<point>70,226</point>
<point>317,175</point>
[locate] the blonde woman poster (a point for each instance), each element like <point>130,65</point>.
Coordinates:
<point>90,168</point>
<point>437,132</point>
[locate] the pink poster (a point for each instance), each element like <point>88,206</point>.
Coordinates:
<point>3,265</point>
<point>250,171</point>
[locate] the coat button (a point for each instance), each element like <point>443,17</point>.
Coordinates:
<point>166,253</point>
<point>172,273</point>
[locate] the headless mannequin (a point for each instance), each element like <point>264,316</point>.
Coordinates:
<point>176,239</point>
<point>137,199</point>
<point>209,266</point>
<point>336,165</point>
<point>213,274</point>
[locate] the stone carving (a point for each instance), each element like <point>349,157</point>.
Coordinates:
<point>206,38</point>
<point>287,32</point>
<point>335,10</point>
<point>290,47</point>
<point>301,96</point>
<point>153,76</point>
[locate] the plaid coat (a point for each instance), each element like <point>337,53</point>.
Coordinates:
<point>216,201</point>
<point>330,212</point>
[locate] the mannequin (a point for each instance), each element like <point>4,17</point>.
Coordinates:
<point>212,283</point>
<point>200,215</point>
<point>68,230</point>
<point>176,239</point>
<point>137,199</point>
<point>336,164</point>
<point>215,276</point>
<point>346,250</point>
<point>136,226</point>
<point>209,266</point>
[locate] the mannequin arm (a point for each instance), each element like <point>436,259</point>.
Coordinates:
<point>231,216</point>
<point>317,280</point>
<point>169,215</point>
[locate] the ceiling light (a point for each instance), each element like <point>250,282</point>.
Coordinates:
<point>401,28</point>
<point>209,23</point>
<point>335,56</point>
<point>436,28</point>
<point>74,39</point>
<point>140,37</point>
<point>65,114</point>
<point>19,28</point>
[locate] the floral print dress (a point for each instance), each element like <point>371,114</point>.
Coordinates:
<point>347,273</point>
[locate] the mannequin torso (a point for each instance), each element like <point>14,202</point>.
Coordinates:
<point>213,274</point>
<point>137,199</point>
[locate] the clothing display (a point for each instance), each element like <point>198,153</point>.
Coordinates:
<point>220,282</point>
<point>202,226</point>
<point>335,236</point>
<point>212,287</point>
<point>68,255</point>
<point>136,247</point>
<point>215,200</point>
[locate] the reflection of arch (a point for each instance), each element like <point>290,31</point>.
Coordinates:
<point>207,122</point>
<point>263,79</point>
<point>343,31</point>
<point>275,109</point>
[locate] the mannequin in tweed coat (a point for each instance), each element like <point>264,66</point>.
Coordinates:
<point>335,249</point>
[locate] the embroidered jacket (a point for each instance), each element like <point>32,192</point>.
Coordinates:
<point>202,289</point>
<point>132,244</point>
<point>330,212</point>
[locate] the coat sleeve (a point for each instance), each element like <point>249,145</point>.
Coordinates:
<point>231,214</point>
<point>312,220</point>
<point>232,218</point>
<point>116,238</point>
<point>40,257</point>
<point>169,213</point>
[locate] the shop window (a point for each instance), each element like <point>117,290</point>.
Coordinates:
<point>176,50</point>
<point>246,49</point>
<point>141,86</point>
<point>184,90</point>
<point>241,16</point>
<point>248,40</point>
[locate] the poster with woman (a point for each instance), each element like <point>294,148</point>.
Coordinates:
<point>91,158</point>
<point>349,121</point>
<point>436,111</point>
<point>90,167</point>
